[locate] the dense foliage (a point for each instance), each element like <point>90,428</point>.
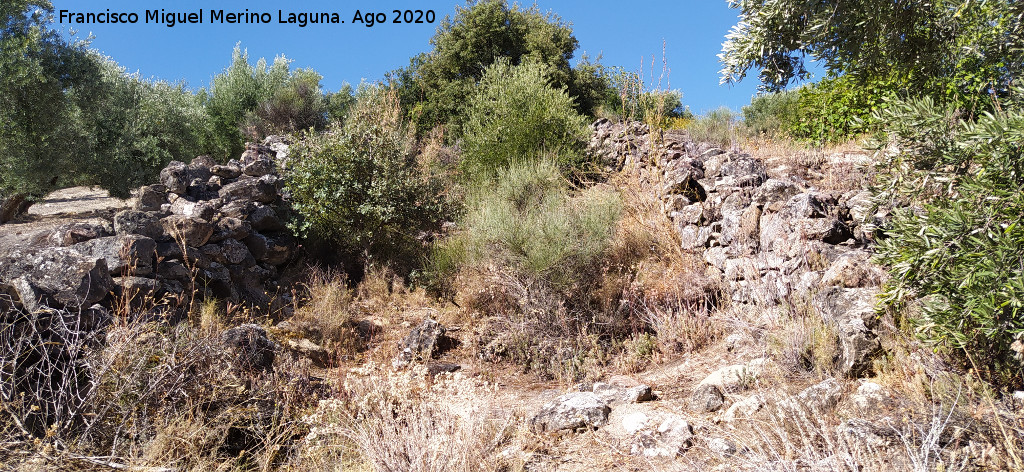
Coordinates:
<point>515,115</point>
<point>937,79</point>
<point>71,117</point>
<point>949,47</point>
<point>957,240</point>
<point>358,185</point>
<point>531,223</point>
<point>134,128</point>
<point>829,111</point>
<point>435,86</point>
<point>248,101</point>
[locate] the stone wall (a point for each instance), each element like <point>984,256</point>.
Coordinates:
<point>767,240</point>
<point>206,229</point>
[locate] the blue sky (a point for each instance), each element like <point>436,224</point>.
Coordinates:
<point>623,33</point>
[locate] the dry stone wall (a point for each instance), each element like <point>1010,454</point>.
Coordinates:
<point>768,240</point>
<point>205,228</point>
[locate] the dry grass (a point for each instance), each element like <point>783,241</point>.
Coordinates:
<point>803,343</point>
<point>834,168</point>
<point>387,420</point>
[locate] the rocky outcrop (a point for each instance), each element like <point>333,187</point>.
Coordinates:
<point>210,229</point>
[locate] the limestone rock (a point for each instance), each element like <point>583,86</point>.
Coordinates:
<point>262,190</point>
<point>138,222</point>
<point>571,412</point>
<point>151,197</point>
<point>672,438</point>
<point>774,190</point>
<point>129,254</point>
<point>734,377</point>
<point>743,409</point>
<point>611,393</point>
<point>852,312</point>
<point>820,397</point>
<point>55,277</point>
<point>871,398</point>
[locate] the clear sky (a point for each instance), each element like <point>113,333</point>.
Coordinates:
<point>623,33</point>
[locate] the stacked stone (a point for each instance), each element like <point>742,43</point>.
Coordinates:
<point>766,239</point>
<point>205,228</point>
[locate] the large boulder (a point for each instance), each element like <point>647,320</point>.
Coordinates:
<point>262,190</point>
<point>192,231</point>
<point>743,171</point>
<point>138,222</point>
<point>73,233</point>
<point>128,254</point>
<point>54,277</point>
<point>151,197</point>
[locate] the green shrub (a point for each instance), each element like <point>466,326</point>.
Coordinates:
<point>839,108</point>
<point>530,222</point>
<point>830,111</point>
<point>339,103</point>
<point>436,86</point>
<point>69,116</point>
<point>515,115</point>
<point>358,185</point>
<point>136,127</point>
<point>251,101</point>
<point>772,114</point>
<point>956,240</point>
<point>530,258</point>
<point>235,92</point>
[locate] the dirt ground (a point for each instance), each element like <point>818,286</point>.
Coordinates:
<point>60,207</point>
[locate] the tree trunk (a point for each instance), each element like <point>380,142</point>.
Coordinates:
<point>12,206</point>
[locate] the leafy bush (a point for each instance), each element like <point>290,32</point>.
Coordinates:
<point>529,258</point>
<point>252,101</point>
<point>957,242</point>
<point>516,115</point>
<point>839,108</point>
<point>69,116</point>
<point>136,127</point>
<point>530,222</point>
<point>358,186</point>
<point>435,86</point>
<point>235,92</point>
<point>772,114</point>
<point>829,111</point>
<point>339,103</point>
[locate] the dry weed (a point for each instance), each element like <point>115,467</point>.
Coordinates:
<point>398,421</point>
